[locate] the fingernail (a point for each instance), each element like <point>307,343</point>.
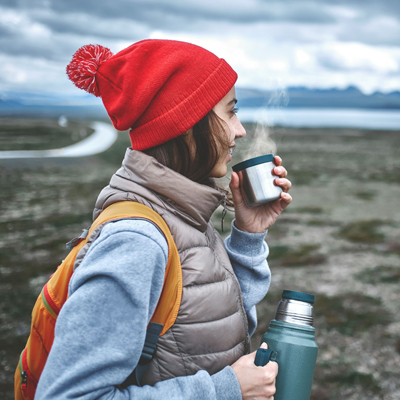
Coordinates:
<point>264,345</point>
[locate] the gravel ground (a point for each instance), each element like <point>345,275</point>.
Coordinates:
<point>339,240</point>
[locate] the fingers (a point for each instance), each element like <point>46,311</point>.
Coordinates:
<point>281,203</point>
<point>270,373</point>
<point>263,345</point>
<point>280,171</point>
<point>277,161</point>
<point>284,183</point>
<point>256,382</point>
<point>270,369</point>
<point>285,200</point>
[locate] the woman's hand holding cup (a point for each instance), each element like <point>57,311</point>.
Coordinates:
<point>258,219</point>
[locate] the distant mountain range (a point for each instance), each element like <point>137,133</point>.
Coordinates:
<point>318,98</point>
<point>13,104</point>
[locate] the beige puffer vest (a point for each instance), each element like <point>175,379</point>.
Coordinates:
<point>210,331</point>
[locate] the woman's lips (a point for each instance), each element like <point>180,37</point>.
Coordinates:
<point>230,153</point>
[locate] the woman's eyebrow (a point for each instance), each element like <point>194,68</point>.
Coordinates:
<point>233,101</point>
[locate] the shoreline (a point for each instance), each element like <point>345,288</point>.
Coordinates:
<point>322,118</point>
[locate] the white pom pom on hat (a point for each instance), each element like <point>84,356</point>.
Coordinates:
<point>83,67</point>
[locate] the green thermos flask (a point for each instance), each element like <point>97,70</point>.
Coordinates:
<point>291,339</point>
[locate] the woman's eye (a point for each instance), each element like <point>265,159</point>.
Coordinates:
<point>235,110</point>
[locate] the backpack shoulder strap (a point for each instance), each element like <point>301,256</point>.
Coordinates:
<point>168,304</point>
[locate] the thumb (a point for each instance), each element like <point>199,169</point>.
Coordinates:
<point>235,190</point>
<point>263,345</point>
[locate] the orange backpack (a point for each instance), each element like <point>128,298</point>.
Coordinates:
<point>55,293</point>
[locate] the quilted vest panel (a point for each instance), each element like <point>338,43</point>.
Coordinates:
<point>211,330</point>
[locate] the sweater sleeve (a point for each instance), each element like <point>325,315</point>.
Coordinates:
<point>101,328</point>
<point>248,253</point>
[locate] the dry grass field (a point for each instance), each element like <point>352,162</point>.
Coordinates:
<point>339,239</point>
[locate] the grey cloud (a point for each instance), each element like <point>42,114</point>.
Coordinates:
<point>52,49</point>
<point>295,20</point>
<point>166,14</point>
<point>159,11</point>
<point>334,62</point>
<point>387,35</point>
<point>177,15</point>
<point>302,11</point>
<point>330,61</point>
<point>292,23</point>
<point>83,24</point>
<point>5,32</point>
<point>363,7</point>
<point>134,20</point>
<point>9,3</point>
<point>137,18</point>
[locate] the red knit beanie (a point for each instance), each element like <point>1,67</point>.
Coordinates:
<point>158,88</point>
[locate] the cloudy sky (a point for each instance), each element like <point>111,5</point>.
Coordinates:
<point>271,44</point>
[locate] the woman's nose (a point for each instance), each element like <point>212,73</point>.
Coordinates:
<point>239,130</point>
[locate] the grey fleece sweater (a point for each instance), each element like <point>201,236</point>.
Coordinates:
<point>100,330</point>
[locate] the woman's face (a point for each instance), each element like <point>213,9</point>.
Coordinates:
<point>233,129</point>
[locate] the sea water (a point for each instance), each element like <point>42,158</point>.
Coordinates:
<point>323,117</point>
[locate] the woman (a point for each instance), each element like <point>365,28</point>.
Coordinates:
<point>179,102</point>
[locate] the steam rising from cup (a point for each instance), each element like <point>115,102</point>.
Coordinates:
<point>259,141</point>
<point>255,173</point>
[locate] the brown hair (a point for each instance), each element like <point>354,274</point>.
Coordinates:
<point>209,142</point>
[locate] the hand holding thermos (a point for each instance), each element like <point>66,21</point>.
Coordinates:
<point>256,382</point>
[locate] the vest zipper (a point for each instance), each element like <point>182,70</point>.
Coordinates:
<point>247,338</point>
<point>223,213</point>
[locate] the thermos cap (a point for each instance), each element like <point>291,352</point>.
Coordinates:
<point>253,161</point>
<point>300,296</point>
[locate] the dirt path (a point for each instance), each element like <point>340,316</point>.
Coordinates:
<point>103,137</point>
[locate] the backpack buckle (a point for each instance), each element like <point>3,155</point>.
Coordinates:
<point>150,343</point>
<point>24,382</point>
<point>75,241</point>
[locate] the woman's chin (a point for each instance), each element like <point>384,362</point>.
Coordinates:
<point>219,172</point>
